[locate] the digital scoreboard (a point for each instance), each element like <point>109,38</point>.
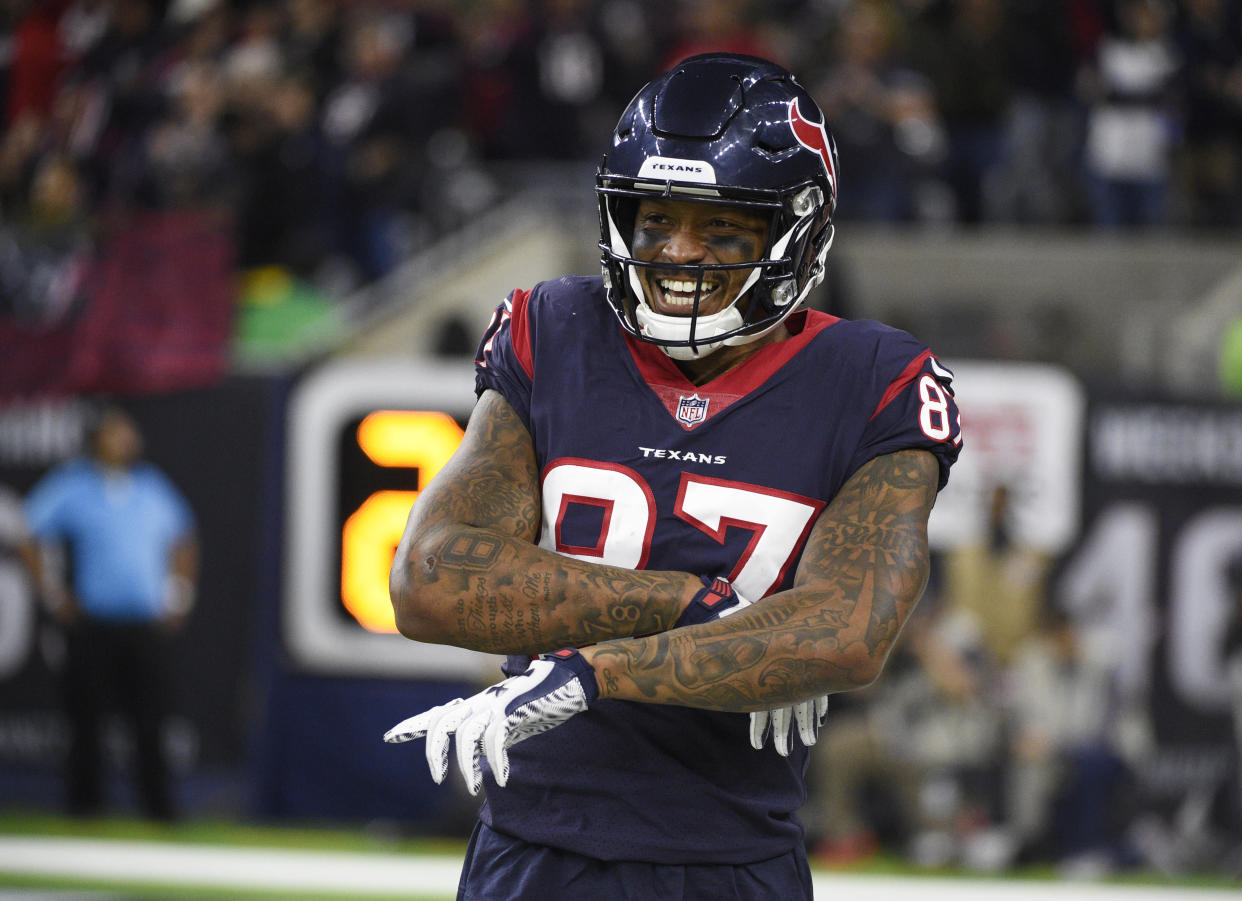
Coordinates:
<point>363,438</point>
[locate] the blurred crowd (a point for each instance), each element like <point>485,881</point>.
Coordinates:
<point>1006,733</point>
<point>333,138</point>
<point>1105,112</point>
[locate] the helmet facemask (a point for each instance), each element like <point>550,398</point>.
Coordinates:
<point>790,265</point>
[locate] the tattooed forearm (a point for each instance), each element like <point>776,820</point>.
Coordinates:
<point>862,572</point>
<point>467,571</point>
<point>875,543</point>
<point>520,599</point>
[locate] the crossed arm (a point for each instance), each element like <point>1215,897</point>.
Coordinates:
<point>863,570</point>
<point>467,573</point>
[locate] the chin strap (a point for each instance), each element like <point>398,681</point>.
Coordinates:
<point>677,328</point>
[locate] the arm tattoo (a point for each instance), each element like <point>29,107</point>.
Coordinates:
<point>468,560</point>
<point>863,569</point>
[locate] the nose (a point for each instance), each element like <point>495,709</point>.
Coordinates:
<point>684,245</point>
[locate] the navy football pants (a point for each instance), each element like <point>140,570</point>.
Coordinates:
<point>502,868</point>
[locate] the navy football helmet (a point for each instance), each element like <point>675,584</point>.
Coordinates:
<point>729,129</point>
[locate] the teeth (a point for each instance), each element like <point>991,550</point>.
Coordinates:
<point>680,293</point>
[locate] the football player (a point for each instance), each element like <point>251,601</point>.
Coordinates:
<point>688,507</point>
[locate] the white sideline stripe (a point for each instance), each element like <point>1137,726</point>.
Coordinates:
<point>227,867</point>
<point>359,874</point>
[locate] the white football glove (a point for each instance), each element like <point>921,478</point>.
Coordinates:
<point>809,715</point>
<point>554,687</point>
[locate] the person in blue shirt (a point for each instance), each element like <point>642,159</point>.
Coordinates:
<point>131,563</point>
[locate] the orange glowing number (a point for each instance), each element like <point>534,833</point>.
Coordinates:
<point>370,535</point>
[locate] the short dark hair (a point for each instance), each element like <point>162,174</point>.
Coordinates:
<point>97,415</point>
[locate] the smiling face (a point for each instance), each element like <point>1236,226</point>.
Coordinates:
<point>683,232</point>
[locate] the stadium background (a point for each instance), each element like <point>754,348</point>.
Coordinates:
<point>260,223</point>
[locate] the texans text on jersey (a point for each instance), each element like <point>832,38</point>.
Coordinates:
<point>661,453</point>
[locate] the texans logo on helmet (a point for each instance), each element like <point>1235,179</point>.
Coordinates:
<point>813,136</point>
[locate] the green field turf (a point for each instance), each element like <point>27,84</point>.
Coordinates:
<point>210,832</point>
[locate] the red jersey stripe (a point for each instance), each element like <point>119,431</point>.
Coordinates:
<point>519,327</point>
<point>899,384</point>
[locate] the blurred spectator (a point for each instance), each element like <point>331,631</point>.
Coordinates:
<point>133,567</point>
<point>254,53</point>
<point>914,763</point>
<point>630,31</point>
<point>709,26</point>
<point>1210,161</point>
<point>378,118</point>
<point>250,68</point>
<point>122,64</point>
<point>82,24</point>
<point>954,736</point>
<point>19,152</point>
<point>883,116</point>
<point>535,78</point>
<point>864,790</point>
<point>1132,123</point>
<point>569,74</point>
<point>202,30</point>
<point>184,158</point>
<point>1066,772</point>
<point>13,531</point>
<point>364,117</point>
<point>39,56</point>
<point>493,37</point>
<point>998,581</point>
<point>1038,180</point>
<point>312,42</point>
<point>47,249</point>
<point>457,186</point>
<point>961,47</point>
<point>292,200</point>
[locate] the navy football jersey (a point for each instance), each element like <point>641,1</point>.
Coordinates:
<point>640,468</point>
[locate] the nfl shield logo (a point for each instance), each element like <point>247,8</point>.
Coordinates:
<point>692,410</point>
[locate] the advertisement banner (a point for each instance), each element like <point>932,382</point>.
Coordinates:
<point>1155,576</point>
